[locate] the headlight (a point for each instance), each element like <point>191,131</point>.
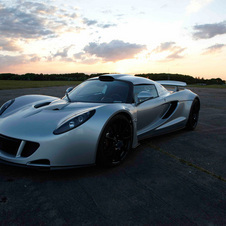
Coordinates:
<point>74,122</point>
<point>5,106</point>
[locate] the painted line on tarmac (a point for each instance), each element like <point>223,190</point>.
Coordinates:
<point>187,162</point>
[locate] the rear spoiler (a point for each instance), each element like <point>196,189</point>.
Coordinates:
<point>177,84</point>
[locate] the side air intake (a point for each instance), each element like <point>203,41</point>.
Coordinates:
<point>170,110</point>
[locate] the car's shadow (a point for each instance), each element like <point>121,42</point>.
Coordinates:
<point>165,137</point>
<point>12,173</point>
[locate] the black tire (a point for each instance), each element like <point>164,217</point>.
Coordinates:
<point>115,142</point>
<point>194,115</point>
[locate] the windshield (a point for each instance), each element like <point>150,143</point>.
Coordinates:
<point>96,91</point>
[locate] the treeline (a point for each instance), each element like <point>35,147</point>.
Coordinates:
<point>82,76</point>
<point>45,77</point>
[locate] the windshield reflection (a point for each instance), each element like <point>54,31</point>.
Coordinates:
<point>96,91</point>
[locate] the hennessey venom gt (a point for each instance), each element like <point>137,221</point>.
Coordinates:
<point>97,122</point>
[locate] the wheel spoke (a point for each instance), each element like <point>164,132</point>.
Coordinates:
<point>118,154</point>
<point>109,137</point>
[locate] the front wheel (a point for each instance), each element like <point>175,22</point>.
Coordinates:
<point>194,115</point>
<point>115,142</point>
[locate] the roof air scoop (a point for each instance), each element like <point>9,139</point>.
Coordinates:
<point>106,78</point>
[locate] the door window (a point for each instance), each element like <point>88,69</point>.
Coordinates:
<point>146,92</point>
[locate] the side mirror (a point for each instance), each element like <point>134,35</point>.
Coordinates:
<point>68,91</point>
<point>143,95</point>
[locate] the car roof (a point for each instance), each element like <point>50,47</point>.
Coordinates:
<point>136,80</point>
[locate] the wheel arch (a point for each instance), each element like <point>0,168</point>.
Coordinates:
<point>134,126</point>
<point>198,99</point>
<point>130,118</point>
<point>192,120</point>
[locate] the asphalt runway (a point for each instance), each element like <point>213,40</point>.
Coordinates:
<point>175,179</point>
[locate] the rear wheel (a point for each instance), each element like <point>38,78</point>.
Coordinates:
<point>194,115</point>
<point>115,141</point>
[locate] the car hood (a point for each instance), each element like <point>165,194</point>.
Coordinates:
<point>34,120</point>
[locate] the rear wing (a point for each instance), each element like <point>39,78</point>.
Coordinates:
<point>177,84</point>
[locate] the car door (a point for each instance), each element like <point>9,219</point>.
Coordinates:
<point>150,110</point>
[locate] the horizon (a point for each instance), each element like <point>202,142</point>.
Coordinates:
<point>97,74</point>
<point>124,36</point>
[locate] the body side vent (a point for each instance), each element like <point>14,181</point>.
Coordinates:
<point>171,109</point>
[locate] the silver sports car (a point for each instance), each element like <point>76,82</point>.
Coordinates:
<point>97,122</point>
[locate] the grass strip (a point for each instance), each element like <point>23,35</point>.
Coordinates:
<point>19,84</point>
<point>187,162</point>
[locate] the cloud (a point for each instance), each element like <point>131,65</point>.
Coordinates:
<point>174,51</point>
<point>84,58</point>
<point>207,31</point>
<point>27,22</point>
<point>114,51</point>
<point>106,25</point>
<point>80,55</point>
<point>37,7</point>
<point>89,22</point>
<point>33,20</point>
<point>8,45</point>
<point>214,49</point>
<point>68,15</point>
<point>165,46</point>
<point>6,60</point>
<point>16,23</point>
<point>61,55</point>
<point>195,5</point>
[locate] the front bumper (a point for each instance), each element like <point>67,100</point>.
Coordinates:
<point>69,150</point>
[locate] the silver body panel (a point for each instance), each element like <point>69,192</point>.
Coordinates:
<point>78,147</point>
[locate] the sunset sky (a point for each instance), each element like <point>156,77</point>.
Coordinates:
<point>122,36</point>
